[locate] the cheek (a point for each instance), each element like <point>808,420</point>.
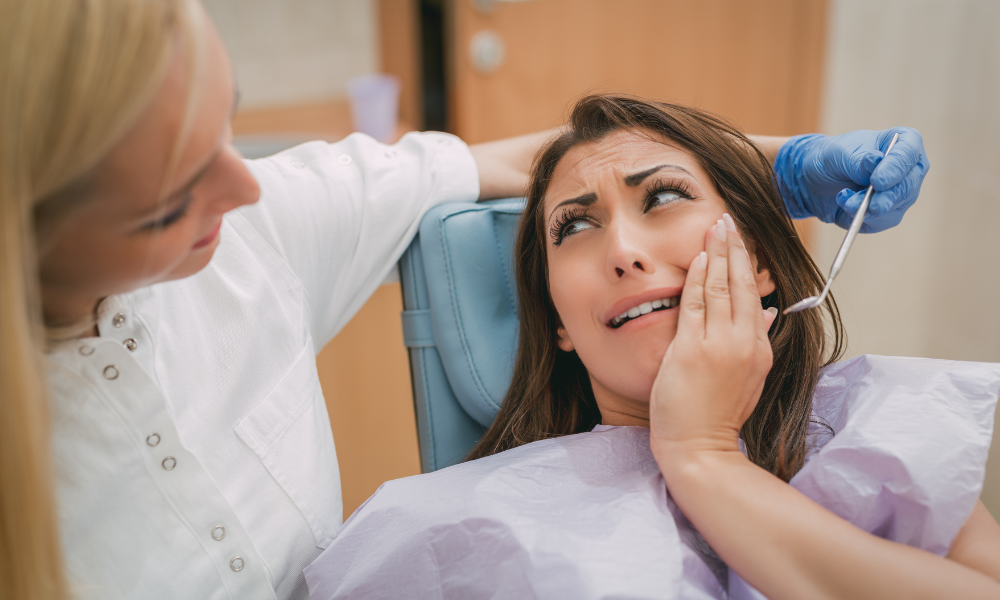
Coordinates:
<point>573,286</point>
<point>628,365</point>
<point>681,240</point>
<point>100,262</point>
<point>172,246</point>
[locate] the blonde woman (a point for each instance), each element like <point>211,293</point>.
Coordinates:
<point>162,301</point>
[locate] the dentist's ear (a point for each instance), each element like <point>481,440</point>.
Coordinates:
<point>565,344</point>
<point>762,275</point>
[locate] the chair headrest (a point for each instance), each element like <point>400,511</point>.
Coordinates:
<point>467,249</point>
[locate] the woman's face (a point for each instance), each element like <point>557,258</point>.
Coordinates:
<point>625,217</point>
<point>129,232</point>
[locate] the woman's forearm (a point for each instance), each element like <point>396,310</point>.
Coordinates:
<point>977,544</point>
<point>504,164</point>
<point>769,145</point>
<point>787,546</point>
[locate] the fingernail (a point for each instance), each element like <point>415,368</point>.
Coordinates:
<point>720,230</point>
<point>702,260</point>
<point>772,310</point>
<point>730,224</point>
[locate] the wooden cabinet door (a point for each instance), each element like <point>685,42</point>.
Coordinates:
<point>757,63</point>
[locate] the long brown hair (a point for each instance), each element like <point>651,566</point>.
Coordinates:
<point>550,393</point>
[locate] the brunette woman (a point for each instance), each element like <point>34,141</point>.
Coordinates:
<point>649,329</point>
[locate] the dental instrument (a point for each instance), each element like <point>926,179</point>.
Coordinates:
<point>845,246</point>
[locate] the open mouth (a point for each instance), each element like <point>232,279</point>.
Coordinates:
<point>644,309</point>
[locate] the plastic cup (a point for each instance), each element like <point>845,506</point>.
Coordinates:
<point>374,105</point>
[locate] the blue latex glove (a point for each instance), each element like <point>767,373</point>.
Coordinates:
<point>826,176</point>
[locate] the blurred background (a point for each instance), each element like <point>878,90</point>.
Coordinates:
<point>487,69</point>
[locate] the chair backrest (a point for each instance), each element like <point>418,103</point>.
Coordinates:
<point>460,323</point>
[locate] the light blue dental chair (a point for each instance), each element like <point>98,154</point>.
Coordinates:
<point>460,323</point>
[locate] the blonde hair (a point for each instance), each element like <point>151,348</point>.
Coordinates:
<point>75,75</point>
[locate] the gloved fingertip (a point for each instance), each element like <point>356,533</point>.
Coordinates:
<point>870,161</point>
<point>862,163</point>
<point>852,201</point>
<point>843,196</point>
<point>898,162</point>
<point>880,205</point>
<point>888,174</point>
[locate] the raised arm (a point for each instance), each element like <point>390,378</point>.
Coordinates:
<point>769,144</point>
<point>504,164</point>
<point>773,536</point>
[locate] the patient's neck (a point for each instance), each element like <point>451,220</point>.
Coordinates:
<point>619,410</point>
<point>624,419</point>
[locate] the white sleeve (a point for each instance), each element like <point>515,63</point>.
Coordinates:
<point>342,214</point>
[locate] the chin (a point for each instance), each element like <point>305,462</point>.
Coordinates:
<point>628,365</point>
<point>639,388</point>
<point>194,262</point>
<point>635,390</point>
<point>628,378</point>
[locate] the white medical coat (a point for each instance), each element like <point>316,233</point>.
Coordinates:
<point>191,441</point>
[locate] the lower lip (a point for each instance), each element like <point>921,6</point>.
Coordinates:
<point>647,319</point>
<point>208,239</point>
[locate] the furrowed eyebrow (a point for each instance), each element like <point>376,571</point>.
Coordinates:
<point>584,200</point>
<point>636,178</point>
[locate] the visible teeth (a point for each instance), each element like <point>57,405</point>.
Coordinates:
<point>645,308</point>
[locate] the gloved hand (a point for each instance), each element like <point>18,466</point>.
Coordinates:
<point>826,176</point>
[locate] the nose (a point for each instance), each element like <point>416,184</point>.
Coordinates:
<point>230,182</point>
<point>626,255</point>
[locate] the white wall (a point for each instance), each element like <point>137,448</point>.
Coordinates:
<point>296,51</point>
<point>930,287</point>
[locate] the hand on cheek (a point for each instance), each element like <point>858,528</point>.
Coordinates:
<point>714,370</point>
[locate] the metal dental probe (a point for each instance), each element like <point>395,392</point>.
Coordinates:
<point>845,246</point>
